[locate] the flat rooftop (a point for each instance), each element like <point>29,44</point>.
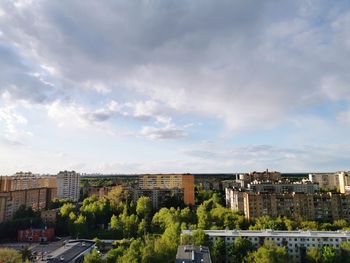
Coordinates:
<point>269,233</point>
<point>69,251</point>
<point>193,254</point>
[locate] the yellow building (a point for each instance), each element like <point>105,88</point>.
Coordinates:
<point>170,181</point>
<point>25,189</point>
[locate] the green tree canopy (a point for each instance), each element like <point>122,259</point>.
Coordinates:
<point>144,207</point>
<point>9,255</point>
<point>93,257</point>
<point>268,253</point>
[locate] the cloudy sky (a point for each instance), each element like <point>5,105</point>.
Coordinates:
<point>174,86</point>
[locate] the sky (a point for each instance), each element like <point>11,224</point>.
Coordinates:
<point>174,86</point>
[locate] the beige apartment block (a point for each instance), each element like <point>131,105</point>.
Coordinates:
<point>36,198</point>
<point>170,181</point>
<point>318,206</point>
<point>332,181</point>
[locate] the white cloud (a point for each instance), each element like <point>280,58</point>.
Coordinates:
<point>344,117</point>
<point>14,125</point>
<point>167,132</point>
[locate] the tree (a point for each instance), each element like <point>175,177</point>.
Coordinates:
<point>9,255</point>
<point>114,223</point>
<point>268,253</point>
<point>114,254</point>
<point>66,209</point>
<point>25,212</point>
<point>81,227</point>
<point>239,249</point>
<point>133,253</point>
<point>26,253</point>
<point>345,252</point>
<point>142,228</point>
<point>218,250</point>
<point>144,207</point>
<point>325,254</point>
<point>93,257</point>
<point>199,237</point>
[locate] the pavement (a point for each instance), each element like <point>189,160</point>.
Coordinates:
<point>38,249</point>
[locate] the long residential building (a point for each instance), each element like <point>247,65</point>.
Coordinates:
<point>318,206</point>
<point>35,198</point>
<point>170,181</point>
<point>284,187</point>
<point>296,242</point>
<point>339,181</point>
<point>25,189</point>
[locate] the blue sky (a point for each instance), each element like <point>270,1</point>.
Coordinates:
<point>174,86</point>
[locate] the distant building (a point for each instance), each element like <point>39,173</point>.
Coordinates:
<point>296,242</point>
<point>36,235</point>
<point>170,181</point>
<point>318,206</point>
<point>101,191</point>
<point>193,254</point>
<point>159,197</point>
<point>339,181</point>
<point>49,216</point>
<point>284,187</point>
<point>71,252</point>
<point>68,185</point>
<point>212,181</point>
<point>244,179</point>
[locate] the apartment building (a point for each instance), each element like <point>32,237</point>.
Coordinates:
<point>158,196</point>
<point>25,189</point>
<point>68,185</point>
<point>266,176</point>
<point>296,242</point>
<point>284,187</point>
<point>35,198</point>
<point>26,180</point>
<point>318,206</point>
<point>332,181</point>
<point>170,181</point>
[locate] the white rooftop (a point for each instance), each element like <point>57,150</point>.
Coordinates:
<point>269,232</point>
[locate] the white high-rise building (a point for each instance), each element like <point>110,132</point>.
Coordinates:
<point>68,185</point>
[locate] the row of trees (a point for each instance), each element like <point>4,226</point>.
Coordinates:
<point>9,255</point>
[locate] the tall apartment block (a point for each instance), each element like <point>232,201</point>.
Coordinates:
<point>170,181</point>
<point>68,185</point>
<point>318,206</point>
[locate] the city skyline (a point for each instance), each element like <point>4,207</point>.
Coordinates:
<point>174,87</point>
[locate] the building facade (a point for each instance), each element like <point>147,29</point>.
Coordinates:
<point>36,235</point>
<point>284,187</point>
<point>296,242</point>
<point>36,198</point>
<point>339,181</point>
<point>159,197</point>
<point>25,189</point>
<point>170,181</point>
<point>68,185</point>
<point>318,206</point>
